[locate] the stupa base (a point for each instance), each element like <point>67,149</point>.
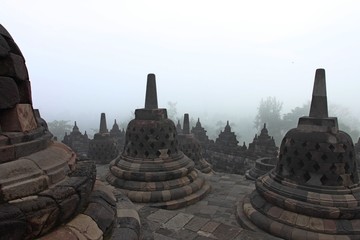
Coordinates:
<point>290,225</point>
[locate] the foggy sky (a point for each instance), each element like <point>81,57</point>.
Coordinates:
<point>213,58</point>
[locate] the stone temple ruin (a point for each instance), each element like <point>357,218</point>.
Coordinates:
<point>264,149</point>
<point>314,192</point>
<point>44,192</point>
<point>118,135</point>
<point>77,141</point>
<point>200,133</point>
<point>225,155</point>
<point>103,148</point>
<point>263,145</point>
<point>227,138</point>
<point>151,168</point>
<point>191,147</point>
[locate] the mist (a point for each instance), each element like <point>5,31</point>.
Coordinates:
<point>215,59</point>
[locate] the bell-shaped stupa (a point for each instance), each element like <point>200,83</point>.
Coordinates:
<point>313,192</point>
<point>191,147</point>
<point>152,169</point>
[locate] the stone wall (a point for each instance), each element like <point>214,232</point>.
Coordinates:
<point>223,162</point>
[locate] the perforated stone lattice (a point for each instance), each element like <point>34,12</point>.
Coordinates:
<point>192,150</point>
<point>317,162</point>
<point>103,150</point>
<point>146,139</point>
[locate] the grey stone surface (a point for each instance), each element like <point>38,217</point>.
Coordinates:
<point>196,223</point>
<point>211,218</point>
<point>178,222</point>
<point>161,216</point>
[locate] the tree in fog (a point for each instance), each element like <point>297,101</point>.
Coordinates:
<point>172,111</point>
<point>269,112</point>
<point>347,122</point>
<point>290,120</point>
<point>58,128</point>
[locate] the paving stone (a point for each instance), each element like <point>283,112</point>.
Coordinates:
<point>184,234</point>
<point>179,221</point>
<point>125,233</point>
<point>164,231</point>
<point>196,223</point>
<point>158,236</point>
<point>208,209</point>
<point>210,226</point>
<point>161,215</point>
<point>226,232</point>
<point>205,235</point>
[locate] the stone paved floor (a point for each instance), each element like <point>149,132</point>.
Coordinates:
<point>211,218</point>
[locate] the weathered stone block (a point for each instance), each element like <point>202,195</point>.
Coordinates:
<point>53,162</point>
<point>67,200</point>
<point>4,32</point>
<point>27,148</point>
<point>24,91</point>
<point>106,190</point>
<point>14,66</point>
<point>4,140</point>
<point>104,215</point>
<point>61,234</point>
<point>21,178</point>
<point>41,215</point>
<point>85,226</point>
<point>83,188</point>
<point>18,119</point>
<point>9,93</point>
<point>3,51</point>
<point>4,47</point>
<point>7,153</point>
<point>12,222</point>
<point>125,233</point>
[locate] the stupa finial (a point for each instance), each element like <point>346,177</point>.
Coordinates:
<point>319,108</point>
<point>75,128</point>
<point>103,127</point>
<point>151,95</point>
<point>186,125</point>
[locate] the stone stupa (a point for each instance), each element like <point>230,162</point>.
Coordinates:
<point>77,141</point>
<point>227,138</point>
<point>152,169</point>
<point>263,145</point>
<point>200,133</point>
<point>191,147</point>
<point>313,192</point>
<point>118,135</point>
<point>103,148</point>
<point>44,192</point>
